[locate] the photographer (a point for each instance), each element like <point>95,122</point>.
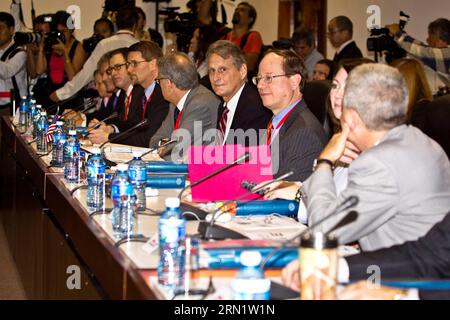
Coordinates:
<point>62,61</point>
<point>435,55</point>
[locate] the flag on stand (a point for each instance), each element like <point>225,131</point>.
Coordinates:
<point>51,129</point>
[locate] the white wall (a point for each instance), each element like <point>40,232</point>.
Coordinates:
<point>421,13</point>
<point>91,10</point>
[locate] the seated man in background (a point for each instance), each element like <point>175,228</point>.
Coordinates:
<point>324,70</point>
<point>193,108</point>
<point>401,177</point>
<point>242,114</point>
<point>294,134</point>
<point>304,43</point>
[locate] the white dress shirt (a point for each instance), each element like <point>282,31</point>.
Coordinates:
<point>16,66</point>
<point>182,102</point>
<point>232,106</point>
<point>123,38</point>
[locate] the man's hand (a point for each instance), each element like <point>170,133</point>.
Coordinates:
<point>362,291</point>
<point>336,147</point>
<point>351,152</point>
<point>290,275</point>
<point>98,136</point>
<point>280,190</point>
<point>393,28</point>
<point>69,114</point>
<point>54,97</point>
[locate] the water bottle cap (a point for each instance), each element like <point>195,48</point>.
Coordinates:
<point>72,133</point>
<point>250,258</point>
<point>96,151</point>
<point>172,202</point>
<point>137,154</point>
<point>38,106</point>
<point>59,123</point>
<point>122,167</point>
<point>43,113</point>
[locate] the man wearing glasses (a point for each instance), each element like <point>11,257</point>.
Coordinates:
<point>129,101</point>
<point>340,34</point>
<point>294,134</point>
<point>193,108</point>
<point>241,115</point>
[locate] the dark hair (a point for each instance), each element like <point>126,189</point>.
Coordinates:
<point>149,50</point>
<point>61,18</point>
<point>122,51</point>
<point>349,64</point>
<point>251,13</point>
<point>104,59</point>
<point>207,36</point>
<point>344,23</point>
<point>303,34</point>
<point>127,18</point>
<point>179,69</point>
<point>7,19</point>
<point>156,36</point>
<point>107,21</point>
<point>141,12</point>
<point>292,64</point>
<point>226,49</point>
<point>331,65</point>
<point>41,19</point>
<point>441,28</point>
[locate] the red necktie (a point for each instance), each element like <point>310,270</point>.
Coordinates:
<point>223,121</point>
<point>269,133</point>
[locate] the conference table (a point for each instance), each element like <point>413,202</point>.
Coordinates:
<point>60,249</point>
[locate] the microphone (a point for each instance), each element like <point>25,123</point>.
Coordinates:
<point>89,104</point>
<point>208,230</point>
<point>348,218</point>
<point>97,125</point>
<point>120,135</point>
<point>242,159</point>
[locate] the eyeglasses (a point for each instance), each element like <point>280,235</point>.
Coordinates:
<point>134,64</point>
<point>116,67</point>
<point>158,80</point>
<point>268,79</point>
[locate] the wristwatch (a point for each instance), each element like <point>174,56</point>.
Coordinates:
<point>320,161</point>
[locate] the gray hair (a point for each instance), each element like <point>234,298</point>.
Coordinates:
<point>226,49</point>
<point>378,93</point>
<point>179,69</point>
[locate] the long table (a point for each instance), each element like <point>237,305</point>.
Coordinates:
<point>52,237</point>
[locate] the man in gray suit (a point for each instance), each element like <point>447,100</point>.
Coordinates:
<point>294,134</point>
<point>193,108</point>
<point>402,177</point>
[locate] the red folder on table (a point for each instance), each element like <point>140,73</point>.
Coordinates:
<point>204,160</point>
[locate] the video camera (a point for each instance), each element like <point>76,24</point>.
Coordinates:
<point>381,41</point>
<point>89,44</point>
<point>51,38</point>
<point>182,24</point>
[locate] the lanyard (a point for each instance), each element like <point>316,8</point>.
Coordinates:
<point>127,105</point>
<point>146,104</point>
<point>125,32</point>
<point>270,125</point>
<point>177,123</point>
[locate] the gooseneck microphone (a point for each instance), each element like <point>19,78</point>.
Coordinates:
<point>88,105</point>
<point>348,218</point>
<point>97,125</point>
<point>208,229</point>
<point>121,135</point>
<point>242,159</point>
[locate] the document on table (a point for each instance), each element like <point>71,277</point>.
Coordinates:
<point>123,153</point>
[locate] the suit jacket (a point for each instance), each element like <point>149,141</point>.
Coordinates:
<point>134,112</point>
<point>426,258</point>
<point>403,186</point>
<point>105,110</point>
<point>199,115</point>
<point>156,112</point>
<point>350,51</point>
<point>120,106</point>
<point>300,141</point>
<point>250,114</point>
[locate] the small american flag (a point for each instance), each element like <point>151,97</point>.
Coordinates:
<point>51,129</point>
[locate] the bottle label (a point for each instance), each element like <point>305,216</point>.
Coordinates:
<point>138,174</point>
<point>93,171</point>
<point>172,230</point>
<point>119,190</point>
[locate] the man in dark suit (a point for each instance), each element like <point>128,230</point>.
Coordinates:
<point>193,108</point>
<point>129,100</point>
<point>241,114</point>
<point>340,34</point>
<point>294,134</point>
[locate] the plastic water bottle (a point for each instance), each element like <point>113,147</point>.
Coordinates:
<point>36,115</point>
<point>96,165</point>
<point>59,139</point>
<point>172,230</point>
<point>42,145</point>
<point>137,172</point>
<point>31,106</point>
<point>123,200</point>
<point>23,108</point>
<point>250,283</point>
<point>72,158</point>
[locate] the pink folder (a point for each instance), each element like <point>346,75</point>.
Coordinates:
<point>204,160</point>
